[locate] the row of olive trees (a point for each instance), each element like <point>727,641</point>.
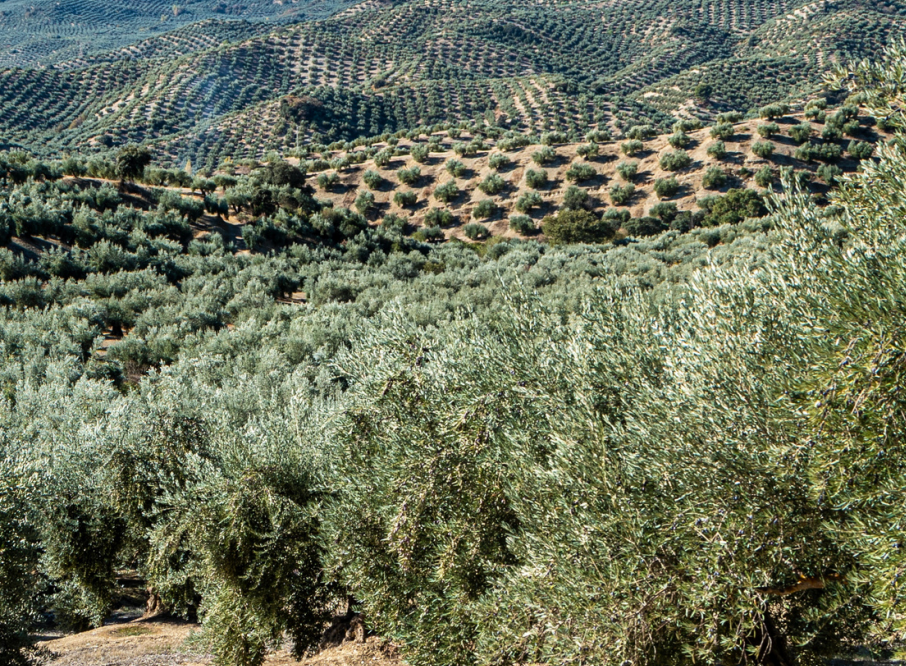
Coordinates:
<point>711,478</point>
<point>597,473</point>
<point>639,482</point>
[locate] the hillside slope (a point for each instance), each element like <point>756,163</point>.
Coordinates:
<point>46,34</point>
<point>384,66</point>
<point>739,164</point>
<point>470,187</point>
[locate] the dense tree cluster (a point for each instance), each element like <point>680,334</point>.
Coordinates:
<point>681,446</point>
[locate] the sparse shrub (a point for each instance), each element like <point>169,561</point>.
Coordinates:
<point>764,177</point>
<point>364,203</point>
<point>628,170</point>
<point>679,139</point>
<point>475,231</point>
<point>722,131</point>
<point>405,199</point>
<point>492,184</point>
<point>409,176</point>
<point>800,133</point>
<point>632,147</point>
<point>328,180</point>
<point>666,187</point>
<point>576,226</point>
<point>763,149</point>
<point>440,217</point>
<point>664,211</point>
<point>574,198</point>
<point>717,150</point>
<point>544,155</point>
<point>372,179</point>
<point>580,172</point>
<point>860,150</point>
<point>535,178</point>
<point>527,201</point>
<point>498,161</point>
<point>455,167</point>
<point>484,209</point>
<point>714,178</point>
<point>588,150</point>
<point>446,192</point>
<point>675,161</point>
<point>620,195</point>
<point>522,224</point>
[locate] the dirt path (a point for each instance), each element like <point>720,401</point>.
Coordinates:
<point>173,643</point>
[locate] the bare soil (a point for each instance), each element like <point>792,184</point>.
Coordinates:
<point>168,642</point>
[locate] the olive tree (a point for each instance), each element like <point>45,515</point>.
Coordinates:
<point>131,161</point>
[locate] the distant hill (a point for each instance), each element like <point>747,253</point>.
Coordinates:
<point>46,33</point>
<point>217,88</point>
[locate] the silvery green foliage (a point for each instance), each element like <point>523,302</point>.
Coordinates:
<point>614,486</point>
<point>463,517</point>
<point>712,476</point>
<point>225,418</point>
<point>877,84</point>
<point>206,481</point>
<point>840,279</point>
<point>23,589</point>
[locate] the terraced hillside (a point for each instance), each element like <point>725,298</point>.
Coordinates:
<point>477,182</point>
<point>46,33</point>
<point>471,187</point>
<point>380,67</point>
